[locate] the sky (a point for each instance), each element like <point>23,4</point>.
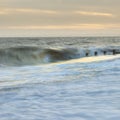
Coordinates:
<point>59,18</point>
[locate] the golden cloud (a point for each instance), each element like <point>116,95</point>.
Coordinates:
<point>21,10</point>
<point>94,13</point>
<point>72,27</point>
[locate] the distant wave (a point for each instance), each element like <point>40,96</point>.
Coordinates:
<point>34,55</point>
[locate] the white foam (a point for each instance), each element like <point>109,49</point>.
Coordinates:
<point>90,59</point>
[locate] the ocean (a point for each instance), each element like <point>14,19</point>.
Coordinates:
<point>60,78</point>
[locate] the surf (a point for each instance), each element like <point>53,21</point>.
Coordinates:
<point>32,55</point>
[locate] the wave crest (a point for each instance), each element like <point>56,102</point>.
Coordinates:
<point>34,55</point>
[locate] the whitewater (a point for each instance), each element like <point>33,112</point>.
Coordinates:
<point>60,78</point>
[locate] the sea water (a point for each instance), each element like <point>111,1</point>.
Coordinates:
<point>36,84</point>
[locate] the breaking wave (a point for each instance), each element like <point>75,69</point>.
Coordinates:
<point>34,55</point>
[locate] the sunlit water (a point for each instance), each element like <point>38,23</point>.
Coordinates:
<point>79,89</point>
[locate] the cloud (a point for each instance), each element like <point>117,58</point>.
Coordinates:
<point>52,15</point>
<point>26,10</point>
<point>87,13</point>
<point>63,27</point>
<point>37,11</point>
<point>2,13</point>
<point>32,11</point>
